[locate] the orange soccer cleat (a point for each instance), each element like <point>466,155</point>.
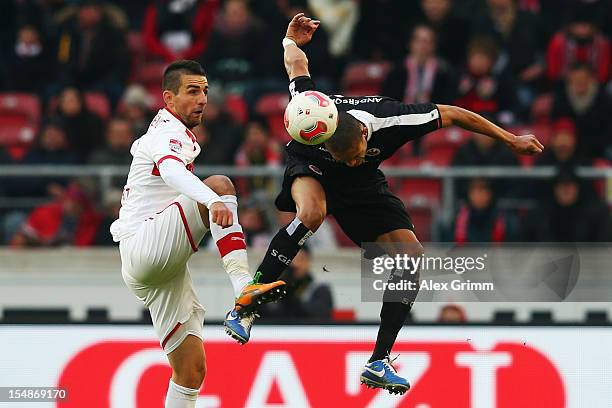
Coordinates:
<point>256,294</point>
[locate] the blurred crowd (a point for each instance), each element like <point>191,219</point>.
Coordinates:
<point>80,80</point>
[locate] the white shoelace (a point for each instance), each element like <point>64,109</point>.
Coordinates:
<point>388,362</point>
<point>247,321</point>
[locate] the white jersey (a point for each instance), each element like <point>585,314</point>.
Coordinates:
<point>145,192</point>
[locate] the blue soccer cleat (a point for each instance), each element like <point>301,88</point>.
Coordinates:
<point>381,374</point>
<point>239,328</point>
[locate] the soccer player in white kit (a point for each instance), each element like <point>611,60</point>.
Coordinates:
<point>165,212</point>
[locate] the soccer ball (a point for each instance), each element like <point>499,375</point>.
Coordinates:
<point>311,117</point>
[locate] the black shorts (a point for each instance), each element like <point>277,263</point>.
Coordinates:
<point>362,204</point>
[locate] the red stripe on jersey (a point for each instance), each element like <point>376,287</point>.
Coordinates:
<point>170,334</point>
<point>184,219</point>
<point>231,242</point>
<point>159,162</point>
<point>191,135</point>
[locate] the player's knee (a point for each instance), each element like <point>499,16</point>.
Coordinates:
<point>192,374</point>
<point>222,185</point>
<point>312,217</point>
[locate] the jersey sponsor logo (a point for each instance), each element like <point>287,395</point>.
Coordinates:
<point>176,145</point>
<point>373,151</point>
<point>315,169</point>
<point>353,101</point>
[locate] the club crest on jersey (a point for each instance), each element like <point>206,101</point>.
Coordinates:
<point>373,151</point>
<point>315,169</point>
<point>176,145</point>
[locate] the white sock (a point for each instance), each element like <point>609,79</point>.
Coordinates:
<point>181,397</point>
<point>232,247</point>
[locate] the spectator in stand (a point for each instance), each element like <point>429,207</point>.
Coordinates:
<point>453,32</point>
<point>257,150</point>
<point>421,77</point>
<point>110,212</point>
<point>92,52</point>
<point>381,23</point>
<point>579,42</point>
<point>269,67</point>
<point>135,106</point>
<point>480,219</point>
<point>570,215</point>
<point>563,150</point>
<point>178,29</point>
<point>85,130</point>
<point>257,232</point>
<point>220,136</point>
<point>234,45</point>
<point>306,298</point>
<point>30,67</point>
<point>452,314</point>
<point>119,139</point>
<point>583,100</point>
<point>70,220</point>
<point>52,148</point>
<point>481,88</point>
<point>521,39</point>
<point>485,151</point>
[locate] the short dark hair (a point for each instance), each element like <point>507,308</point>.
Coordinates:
<point>174,71</point>
<point>346,135</point>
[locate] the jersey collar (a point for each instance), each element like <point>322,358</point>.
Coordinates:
<point>191,135</point>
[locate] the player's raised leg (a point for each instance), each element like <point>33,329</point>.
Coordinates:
<point>311,205</point>
<point>379,371</point>
<point>232,249</point>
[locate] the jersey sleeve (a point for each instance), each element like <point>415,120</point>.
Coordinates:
<point>301,84</point>
<point>168,144</point>
<point>414,120</point>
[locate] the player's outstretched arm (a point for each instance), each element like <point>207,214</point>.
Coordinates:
<point>299,32</point>
<point>468,120</point>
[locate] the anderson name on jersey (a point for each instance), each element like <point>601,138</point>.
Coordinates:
<point>145,192</point>
<point>390,124</point>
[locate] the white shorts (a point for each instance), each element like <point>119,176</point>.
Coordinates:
<point>154,267</point>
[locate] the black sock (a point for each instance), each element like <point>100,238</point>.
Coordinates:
<point>392,318</point>
<point>283,248</point>
<point>395,309</point>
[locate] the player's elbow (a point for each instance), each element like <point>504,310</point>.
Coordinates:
<point>449,114</point>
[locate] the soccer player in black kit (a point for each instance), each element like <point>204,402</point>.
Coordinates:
<point>342,178</point>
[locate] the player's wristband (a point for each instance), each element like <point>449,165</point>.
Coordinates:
<point>287,42</point>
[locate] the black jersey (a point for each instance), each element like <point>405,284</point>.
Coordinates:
<point>390,124</point>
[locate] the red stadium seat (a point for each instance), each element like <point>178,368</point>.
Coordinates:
<point>364,78</point>
<point>420,191</point>
<point>272,108</point>
<point>12,134</point>
<point>17,107</point>
<point>346,315</point>
<point>422,218</point>
<point>453,136</point>
<point>237,107</point>
<point>98,103</point>
<point>19,118</point>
